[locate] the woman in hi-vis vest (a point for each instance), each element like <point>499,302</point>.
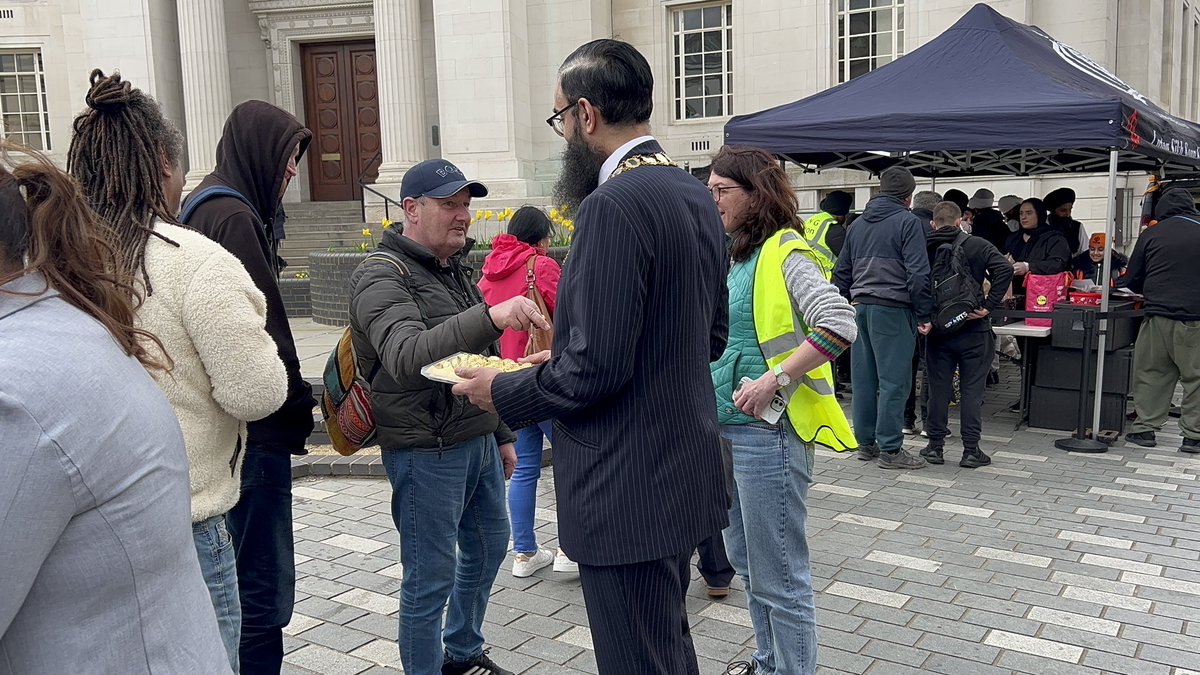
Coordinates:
<point>775,400</point>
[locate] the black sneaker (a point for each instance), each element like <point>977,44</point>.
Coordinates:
<point>901,459</point>
<point>740,668</point>
<point>480,665</point>
<point>973,458</point>
<point>1190,445</point>
<point>867,453</point>
<point>933,455</point>
<point>1142,438</point>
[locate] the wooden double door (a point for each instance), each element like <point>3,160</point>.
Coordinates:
<point>342,110</point>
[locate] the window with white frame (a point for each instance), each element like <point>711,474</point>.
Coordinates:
<point>24,117</point>
<point>870,35</point>
<point>703,60</point>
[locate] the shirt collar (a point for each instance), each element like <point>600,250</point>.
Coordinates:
<point>610,164</point>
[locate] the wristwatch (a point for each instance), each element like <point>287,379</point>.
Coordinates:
<point>781,378</point>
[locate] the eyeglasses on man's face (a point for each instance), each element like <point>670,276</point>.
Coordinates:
<point>556,120</point>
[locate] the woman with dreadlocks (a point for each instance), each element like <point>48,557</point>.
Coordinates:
<point>198,300</point>
<point>94,491</point>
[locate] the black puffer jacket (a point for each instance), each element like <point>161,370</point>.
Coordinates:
<point>1046,252</point>
<point>1163,264</point>
<point>413,321</point>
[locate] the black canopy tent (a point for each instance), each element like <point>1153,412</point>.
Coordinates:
<point>989,96</point>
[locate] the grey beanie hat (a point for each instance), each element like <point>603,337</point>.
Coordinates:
<point>897,181</point>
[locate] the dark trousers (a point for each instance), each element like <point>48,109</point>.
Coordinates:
<point>882,366</point>
<point>910,406</point>
<point>261,528</point>
<point>714,564</point>
<point>969,351</point>
<point>638,616</point>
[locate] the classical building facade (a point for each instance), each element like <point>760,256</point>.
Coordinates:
<point>387,83</point>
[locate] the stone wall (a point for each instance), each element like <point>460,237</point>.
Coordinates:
<point>297,298</point>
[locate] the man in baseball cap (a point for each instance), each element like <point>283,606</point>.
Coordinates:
<point>412,303</point>
<point>439,179</point>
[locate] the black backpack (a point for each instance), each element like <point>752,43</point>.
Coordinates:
<point>955,292</point>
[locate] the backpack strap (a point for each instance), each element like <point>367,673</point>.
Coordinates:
<point>402,269</point>
<point>195,199</point>
<point>960,239</point>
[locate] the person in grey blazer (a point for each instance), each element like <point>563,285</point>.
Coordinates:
<point>99,572</point>
<point>641,313</point>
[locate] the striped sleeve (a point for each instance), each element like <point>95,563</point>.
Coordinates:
<point>829,316</point>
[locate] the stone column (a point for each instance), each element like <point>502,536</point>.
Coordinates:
<point>206,96</point>
<point>401,89</point>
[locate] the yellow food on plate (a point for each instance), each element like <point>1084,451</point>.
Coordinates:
<point>443,371</point>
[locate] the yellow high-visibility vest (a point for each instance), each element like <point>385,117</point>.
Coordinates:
<point>812,408</point>
<point>815,229</point>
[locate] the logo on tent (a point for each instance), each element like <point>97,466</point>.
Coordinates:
<point>1081,62</point>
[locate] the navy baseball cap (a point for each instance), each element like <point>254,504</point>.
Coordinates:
<point>439,179</point>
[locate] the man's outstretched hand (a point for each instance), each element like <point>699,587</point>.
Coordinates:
<point>519,313</point>
<point>478,387</point>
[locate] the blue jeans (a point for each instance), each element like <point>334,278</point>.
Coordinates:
<point>261,525</point>
<point>214,548</point>
<point>522,489</point>
<point>767,544</point>
<point>881,368</point>
<point>443,500</point>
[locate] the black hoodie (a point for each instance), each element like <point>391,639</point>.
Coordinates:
<point>1162,266</point>
<point>252,158</point>
<point>1046,252</point>
<point>984,261</point>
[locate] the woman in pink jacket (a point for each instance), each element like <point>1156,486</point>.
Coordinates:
<point>505,276</point>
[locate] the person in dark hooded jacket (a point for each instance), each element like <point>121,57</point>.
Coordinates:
<point>884,271</point>
<point>1163,269</point>
<point>1037,248</point>
<point>257,157</point>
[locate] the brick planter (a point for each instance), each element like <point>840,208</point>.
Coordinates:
<point>330,285</point>
<point>330,281</point>
<point>297,301</point>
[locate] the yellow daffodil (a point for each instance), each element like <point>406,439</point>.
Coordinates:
<point>479,214</point>
<point>490,214</point>
<point>366,232</point>
<point>386,223</point>
<point>554,214</point>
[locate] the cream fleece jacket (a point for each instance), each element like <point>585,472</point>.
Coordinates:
<point>211,319</point>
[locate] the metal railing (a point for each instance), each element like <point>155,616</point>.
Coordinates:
<point>365,187</point>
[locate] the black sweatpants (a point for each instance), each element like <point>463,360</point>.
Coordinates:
<point>970,351</point>
<point>638,616</point>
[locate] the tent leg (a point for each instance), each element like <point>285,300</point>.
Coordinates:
<point>1109,223</point>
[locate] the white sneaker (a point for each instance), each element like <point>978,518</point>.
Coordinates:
<point>525,564</point>
<point>564,564</point>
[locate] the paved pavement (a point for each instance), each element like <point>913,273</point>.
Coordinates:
<point>1042,563</point>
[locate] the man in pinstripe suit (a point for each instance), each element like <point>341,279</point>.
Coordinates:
<point>641,313</point>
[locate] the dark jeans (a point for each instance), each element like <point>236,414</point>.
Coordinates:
<point>638,616</point>
<point>714,564</point>
<point>261,527</point>
<point>882,367</point>
<point>971,353</point>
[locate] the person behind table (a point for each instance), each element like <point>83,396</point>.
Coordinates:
<point>100,569</point>
<point>1167,351</point>
<point>1037,248</point>
<point>884,271</point>
<point>969,350</point>
<point>1090,264</point>
<point>506,275</point>
<point>775,284</point>
<point>1060,203</point>
<point>987,221</point>
<point>1010,207</point>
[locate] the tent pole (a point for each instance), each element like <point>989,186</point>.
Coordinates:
<point>1079,442</point>
<point>933,183</point>
<point>1109,226</point>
